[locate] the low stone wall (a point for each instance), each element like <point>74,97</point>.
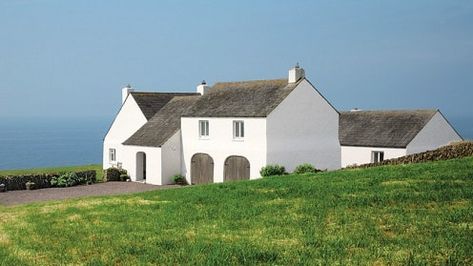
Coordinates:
<point>456,150</point>
<point>41,180</point>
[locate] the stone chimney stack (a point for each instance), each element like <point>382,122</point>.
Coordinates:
<point>295,74</point>
<point>202,88</point>
<point>125,91</point>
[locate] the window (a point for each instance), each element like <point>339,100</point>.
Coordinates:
<point>203,128</point>
<point>238,129</point>
<point>377,156</point>
<point>112,155</point>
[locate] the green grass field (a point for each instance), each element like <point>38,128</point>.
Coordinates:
<point>97,167</point>
<point>415,214</point>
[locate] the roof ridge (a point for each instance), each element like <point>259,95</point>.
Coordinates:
<point>164,93</point>
<point>250,80</point>
<point>391,110</point>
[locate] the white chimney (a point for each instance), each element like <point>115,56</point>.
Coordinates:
<point>295,74</point>
<point>126,91</point>
<point>203,88</point>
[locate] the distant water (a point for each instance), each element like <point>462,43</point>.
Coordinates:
<point>30,143</point>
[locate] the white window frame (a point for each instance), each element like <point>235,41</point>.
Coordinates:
<point>238,129</point>
<point>112,155</point>
<point>204,129</point>
<point>377,156</point>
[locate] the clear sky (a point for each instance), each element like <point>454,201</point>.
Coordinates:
<point>71,58</point>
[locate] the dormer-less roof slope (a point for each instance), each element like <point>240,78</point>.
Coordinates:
<point>394,129</point>
<point>242,99</point>
<point>151,102</point>
<point>164,124</point>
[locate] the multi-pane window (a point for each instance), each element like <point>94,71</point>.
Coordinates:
<point>112,155</point>
<point>238,129</point>
<point>203,128</point>
<point>377,156</point>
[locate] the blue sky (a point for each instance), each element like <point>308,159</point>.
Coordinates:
<point>71,58</point>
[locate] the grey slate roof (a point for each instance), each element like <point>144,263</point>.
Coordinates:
<point>255,98</point>
<point>151,102</point>
<point>394,129</point>
<point>164,124</point>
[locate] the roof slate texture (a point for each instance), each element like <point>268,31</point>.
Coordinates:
<point>164,124</point>
<point>395,129</point>
<point>255,98</point>
<point>151,102</point>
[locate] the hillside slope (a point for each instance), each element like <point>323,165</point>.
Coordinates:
<point>394,214</point>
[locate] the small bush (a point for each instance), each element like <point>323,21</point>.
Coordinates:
<point>124,177</point>
<point>30,185</point>
<point>273,169</point>
<point>68,180</point>
<point>179,179</point>
<point>306,168</point>
<point>114,174</point>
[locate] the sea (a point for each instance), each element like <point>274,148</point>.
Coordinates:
<point>49,142</point>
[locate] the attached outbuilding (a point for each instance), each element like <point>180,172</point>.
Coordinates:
<point>138,112</point>
<point>373,136</point>
<point>159,140</point>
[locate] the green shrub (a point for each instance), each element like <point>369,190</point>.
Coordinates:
<point>179,179</point>
<point>306,168</point>
<point>30,185</point>
<point>124,177</point>
<point>42,180</point>
<point>69,180</point>
<point>114,174</point>
<point>272,169</point>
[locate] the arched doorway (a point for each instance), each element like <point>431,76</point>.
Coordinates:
<point>202,169</point>
<point>236,168</point>
<point>141,166</point>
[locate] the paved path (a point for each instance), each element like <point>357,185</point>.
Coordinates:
<point>18,197</point>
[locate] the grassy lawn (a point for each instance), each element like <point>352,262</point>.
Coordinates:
<point>416,214</point>
<point>97,167</point>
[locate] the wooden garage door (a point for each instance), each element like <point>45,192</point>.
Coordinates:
<point>202,169</point>
<point>237,168</point>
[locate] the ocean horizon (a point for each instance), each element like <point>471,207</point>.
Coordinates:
<point>50,142</point>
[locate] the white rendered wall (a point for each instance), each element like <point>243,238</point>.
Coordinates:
<point>304,129</point>
<point>221,144</point>
<point>153,163</point>
<point>435,134</point>
<point>362,155</point>
<point>128,120</point>
<point>171,158</point>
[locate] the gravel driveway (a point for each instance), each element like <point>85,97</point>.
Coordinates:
<point>18,197</point>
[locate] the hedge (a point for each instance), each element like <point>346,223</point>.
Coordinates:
<point>41,180</point>
<point>114,174</point>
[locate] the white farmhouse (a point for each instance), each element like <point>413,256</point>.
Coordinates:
<point>224,132</point>
<point>231,130</point>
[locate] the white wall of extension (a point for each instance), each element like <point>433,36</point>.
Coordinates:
<point>171,152</point>
<point>131,163</point>
<point>362,155</point>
